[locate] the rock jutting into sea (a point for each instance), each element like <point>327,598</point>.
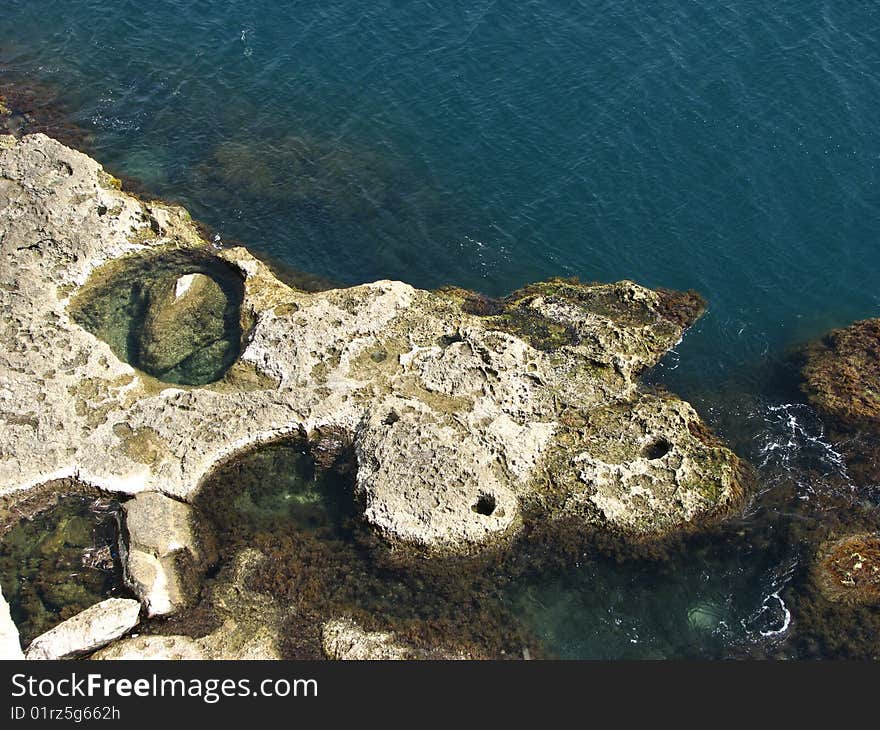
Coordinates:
<point>461,415</point>
<point>140,358</point>
<point>836,606</point>
<point>841,378</point>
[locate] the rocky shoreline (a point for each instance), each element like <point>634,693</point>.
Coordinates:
<point>223,429</point>
<point>465,420</point>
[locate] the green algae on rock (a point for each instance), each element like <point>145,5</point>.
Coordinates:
<point>58,557</point>
<point>586,318</point>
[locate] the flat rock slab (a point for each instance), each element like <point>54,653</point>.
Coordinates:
<point>345,640</point>
<point>88,630</point>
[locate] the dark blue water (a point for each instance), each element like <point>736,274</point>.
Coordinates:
<point>731,147</point>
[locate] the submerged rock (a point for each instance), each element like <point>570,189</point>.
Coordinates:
<point>57,553</point>
<point>89,630</point>
<point>10,644</point>
<point>164,557</point>
<point>184,318</point>
<point>469,417</point>
<point>175,314</point>
<point>244,625</point>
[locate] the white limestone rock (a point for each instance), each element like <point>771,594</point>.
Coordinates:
<point>88,630</point>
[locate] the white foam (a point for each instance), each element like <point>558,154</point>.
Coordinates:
<point>786,621</point>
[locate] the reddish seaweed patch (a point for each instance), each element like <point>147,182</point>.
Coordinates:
<point>292,500</point>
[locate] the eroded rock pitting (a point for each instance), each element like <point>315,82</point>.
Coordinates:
<point>58,555</point>
<point>174,314</point>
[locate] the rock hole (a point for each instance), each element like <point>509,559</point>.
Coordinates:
<point>485,505</point>
<point>391,418</point>
<point>446,340</point>
<point>176,315</point>
<point>657,449</point>
<point>277,488</point>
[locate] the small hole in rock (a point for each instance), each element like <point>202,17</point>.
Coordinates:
<point>447,340</point>
<point>485,505</point>
<point>657,449</point>
<point>391,418</point>
<point>102,210</point>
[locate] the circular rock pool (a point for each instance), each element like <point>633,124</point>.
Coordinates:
<point>174,314</point>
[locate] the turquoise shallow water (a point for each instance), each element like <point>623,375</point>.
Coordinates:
<point>731,147</point>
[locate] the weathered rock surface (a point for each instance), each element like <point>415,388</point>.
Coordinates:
<point>841,378</point>
<point>842,373</point>
<point>165,558</point>
<point>250,625</point>
<point>10,644</point>
<point>152,648</point>
<point>641,467</point>
<point>86,631</point>
<point>847,570</point>
<point>343,639</point>
<point>467,414</point>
